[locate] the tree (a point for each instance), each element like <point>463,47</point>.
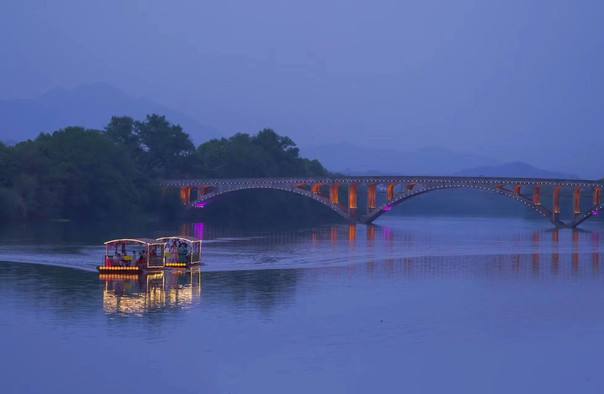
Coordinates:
<point>160,148</point>
<point>84,174</point>
<point>265,154</point>
<point>77,174</point>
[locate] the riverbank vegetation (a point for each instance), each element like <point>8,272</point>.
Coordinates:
<point>113,174</point>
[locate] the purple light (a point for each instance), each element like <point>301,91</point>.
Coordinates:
<point>387,208</point>
<point>200,205</point>
<point>596,212</point>
<point>198,230</point>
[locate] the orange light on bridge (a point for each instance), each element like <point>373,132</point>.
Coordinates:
<point>410,186</point>
<point>597,197</point>
<point>391,190</point>
<point>316,189</point>
<point>557,199</point>
<point>372,193</point>
<point>517,189</point>
<point>352,196</point>
<point>204,189</point>
<point>537,195</point>
<point>577,200</point>
<point>185,195</point>
<point>333,193</point>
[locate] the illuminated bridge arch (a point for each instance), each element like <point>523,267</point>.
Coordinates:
<point>298,189</point>
<point>340,193</point>
<point>515,195</point>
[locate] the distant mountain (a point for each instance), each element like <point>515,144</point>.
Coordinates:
<point>515,169</point>
<point>357,160</point>
<point>91,106</point>
<point>433,160</point>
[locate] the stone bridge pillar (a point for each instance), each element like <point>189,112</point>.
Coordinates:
<point>556,213</point>
<point>577,202</point>
<point>333,193</point>
<point>352,202</point>
<point>537,195</point>
<point>371,196</point>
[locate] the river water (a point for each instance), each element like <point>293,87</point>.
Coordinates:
<point>421,305</point>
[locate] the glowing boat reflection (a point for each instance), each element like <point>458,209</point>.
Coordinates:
<point>139,294</point>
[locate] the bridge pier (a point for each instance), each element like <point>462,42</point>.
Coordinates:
<point>557,203</point>
<point>537,195</point>
<point>371,195</point>
<point>334,193</point>
<point>185,195</point>
<point>577,203</point>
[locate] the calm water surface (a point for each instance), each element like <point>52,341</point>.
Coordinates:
<point>423,305</point>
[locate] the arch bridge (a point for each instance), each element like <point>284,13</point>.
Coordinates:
<point>341,193</point>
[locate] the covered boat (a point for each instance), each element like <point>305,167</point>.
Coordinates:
<point>132,255</point>
<point>181,250</point>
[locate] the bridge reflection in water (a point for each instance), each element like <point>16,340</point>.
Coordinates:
<point>580,256</point>
<point>134,294</point>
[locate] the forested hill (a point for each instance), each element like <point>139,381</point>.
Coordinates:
<point>85,174</point>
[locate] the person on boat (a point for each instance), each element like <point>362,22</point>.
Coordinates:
<point>141,260</point>
<point>174,251</point>
<point>116,259</point>
<point>182,252</point>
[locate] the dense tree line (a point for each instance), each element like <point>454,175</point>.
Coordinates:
<point>85,174</point>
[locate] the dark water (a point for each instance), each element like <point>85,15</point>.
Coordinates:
<point>417,305</point>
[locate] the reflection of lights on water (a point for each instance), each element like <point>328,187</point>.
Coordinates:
<point>387,233</point>
<point>198,230</point>
<point>127,295</point>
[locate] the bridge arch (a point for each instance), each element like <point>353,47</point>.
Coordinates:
<point>399,189</point>
<point>207,198</point>
<point>409,194</point>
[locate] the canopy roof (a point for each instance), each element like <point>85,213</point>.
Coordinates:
<point>182,237</point>
<point>135,240</point>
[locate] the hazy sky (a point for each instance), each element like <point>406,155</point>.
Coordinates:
<point>516,80</point>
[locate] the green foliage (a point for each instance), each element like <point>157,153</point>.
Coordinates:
<point>82,174</point>
<point>75,174</point>
<point>265,154</point>
<point>159,148</point>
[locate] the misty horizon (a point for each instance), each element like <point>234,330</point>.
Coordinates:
<point>512,82</point>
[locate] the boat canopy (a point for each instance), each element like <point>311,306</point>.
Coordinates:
<point>180,237</point>
<point>149,241</point>
<point>150,253</point>
<point>174,258</point>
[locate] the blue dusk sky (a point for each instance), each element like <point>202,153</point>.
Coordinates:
<point>511,80</point>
